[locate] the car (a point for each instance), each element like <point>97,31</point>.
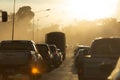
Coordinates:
<point>76,50</point>
<point>20,57</point>
<point>60,55</point>
<point>81,52</point>
<point>101,60</point>
<point>65,23</point>
<point>56,55</point>
<point>44,50</point>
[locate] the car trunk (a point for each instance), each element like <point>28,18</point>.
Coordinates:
<point>99,66</point>
<point>14,58</point>
<point>15,61</point>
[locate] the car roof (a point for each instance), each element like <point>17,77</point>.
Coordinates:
<point>18,41</point>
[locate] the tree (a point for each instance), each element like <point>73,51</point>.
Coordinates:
<point>24,14</point>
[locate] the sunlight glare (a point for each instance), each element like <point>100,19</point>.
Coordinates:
<point>90,9</point>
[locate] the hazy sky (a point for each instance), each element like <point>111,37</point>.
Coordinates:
<point>38,4</point>
<point>63,11</point>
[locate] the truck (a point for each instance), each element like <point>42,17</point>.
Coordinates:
<point>20,57</point>
<point>99,62</point>
<point>58,39</point>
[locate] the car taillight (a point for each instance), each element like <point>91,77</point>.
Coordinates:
<point>35,70</point>
<point>55,53</point>
<point>80,71</point>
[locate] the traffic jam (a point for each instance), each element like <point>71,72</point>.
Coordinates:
<point>30,60</point>
<point>33,59</point>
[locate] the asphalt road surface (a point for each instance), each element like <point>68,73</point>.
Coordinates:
<point>66,71</point>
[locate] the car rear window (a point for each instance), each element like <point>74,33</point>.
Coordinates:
<point>106,47</point>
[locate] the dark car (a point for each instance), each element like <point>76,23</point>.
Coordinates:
<point>80,47</point>
<point>56,55</point>
<point>20,57</point>
<point>60,55</point>
<point>81,52</point>
<point>101,60</point>
<point>44,50</point>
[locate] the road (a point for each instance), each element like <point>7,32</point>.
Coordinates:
<point>66,71</point>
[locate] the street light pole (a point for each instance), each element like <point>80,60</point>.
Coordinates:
<point>37,21</point>
<point>13,21</point>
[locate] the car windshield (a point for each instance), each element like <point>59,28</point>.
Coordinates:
<point>67,24</point>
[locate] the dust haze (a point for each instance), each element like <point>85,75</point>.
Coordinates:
<point>83,32</point>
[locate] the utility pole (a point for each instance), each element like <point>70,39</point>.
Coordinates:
<point>13,26</point>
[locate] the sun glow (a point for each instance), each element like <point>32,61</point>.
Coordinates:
<point>90,9</point>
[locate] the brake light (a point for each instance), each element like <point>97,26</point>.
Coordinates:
<point>80,71</point>
<point>55,53</point>
<point>35,70</point>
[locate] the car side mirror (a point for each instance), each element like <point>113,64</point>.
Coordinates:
<point>85,52</point>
